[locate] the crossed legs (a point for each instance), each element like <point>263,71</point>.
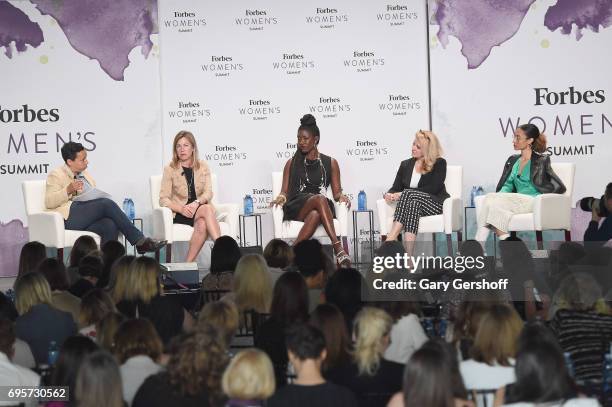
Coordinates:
<point>204,224</point>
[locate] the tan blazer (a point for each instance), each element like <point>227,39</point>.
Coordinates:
<point>56,197</point>
<point>174,185</point>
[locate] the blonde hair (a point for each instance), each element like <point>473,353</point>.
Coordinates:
<point>430,145</point>
<point>252,284</point>
<point>189,136</point>
<point>223,315</point>
<point>142,281</point>
<point>497,335</point>
<point>31,289</point>
<point>95,305</point>
<point>249,376</point>
<point>120,274</point>
<point>371,326</point>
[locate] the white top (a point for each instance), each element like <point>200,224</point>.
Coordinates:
<point>23,354</point>
<point>416,177</point>
<point>407,335</point>
<point>134,372</point>
<point>481,376</point>
<point>15,375</point>
<point>579,402</point>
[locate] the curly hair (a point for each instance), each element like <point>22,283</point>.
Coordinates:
<point>198,362</point>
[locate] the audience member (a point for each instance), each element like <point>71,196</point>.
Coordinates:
<point>252,285</point>
<point>306,351</point>
<point>407,334</point>
<point>120,278</point>
<point>223,260</point>
<point>55,273</point>
<point>279,256</point>
<point>32,253</point>
<point>193,375</point>
<point>309,262</point>
<point>83,246</point>
<point>223,316</point>
<point>248,380</point>
<point>98,381</point>
<point>95,305</point>
<point>111,252</point>
<point>596,232</point>
<point>39,323</point>
<point>343,289</point>
<point>138,349</point>
<point>289,306</point>
<point>106,329</point>
<point>90,271</point>
<point>330,321</point>
<point>22,355</point>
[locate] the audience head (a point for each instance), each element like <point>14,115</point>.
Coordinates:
<point>83,246</point>
<point>290,299</point>
<point>578,292</point>
<point>91,266</point>
<point>106,329</point>
<point>99,381</point>
<point>249,376</point>
<point>497,335</point>
<point>120,277</point>
<point>305,342</point>
<point>95,305</point>
<point>309,259</point>
<point>372,329</point>
<point>252,284</point>
<point>278,254</point>
<point>184,146</point>
<point>343,289</point>
<point>55,273</point>
<point>470,313</point>
<point>197,363</point>
<point>7,308</point>
<point>223,316</point>
<point>528,135</point>
<point>72,353</point>
<point>449,354</point>
<point>31,289</point>
<point>225,255</point>
<point>471,248</point>
<point>32,253</point>
<point>142,280</point>
<point>111,252</point>
<point>136,337</point>
<point>330,321</point>
<point>7,337</point>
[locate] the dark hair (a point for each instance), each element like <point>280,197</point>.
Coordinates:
<point>608,193</point>
<point>82,247</point>
<point>471,248</point>
<point>309,257</point>
<point>71,356</point>
<point>305,341</point>
<point>70,150</point>
<point>290,298</point>
<point>99,381</point>
<point>428,379</point>
<point>137,337</point>
<point>451,361</point>
<point>343,289</point>
<point>278,253</point>
<point>7,336</point>
<point>91,266</point>
<point>329,319</point>
<point>7,308</point>
<point>225,255</point>
<point>533,132</point>
<point>31,254</point>
<point>111,251</point>
<point>309,124</point>
<point>95,305</point>
<point>55,273</point>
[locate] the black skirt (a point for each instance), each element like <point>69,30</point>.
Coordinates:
<point>183,220</point>
<point>292,207</point>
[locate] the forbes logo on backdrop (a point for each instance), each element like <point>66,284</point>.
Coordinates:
<point>222,66</point>
<point>398,104</point>
<point>189,112</point>
<point>259,109</point>
<point>363,61</point>
<point>225,155</point>
<point>256,19</point>
<point>293,63</point>
<point>326,18</point>
<point>396,15</point>
<point>25,114</point>
<point>366,150</point>
<point>287,150</point>
<point>184,21</point>
<point>329,107</point>
<point>261,198</point>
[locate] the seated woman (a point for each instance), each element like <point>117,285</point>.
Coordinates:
<point>418,187</point>
<point>525,175</point>
<point>306,177</point>
<point>186,189</point>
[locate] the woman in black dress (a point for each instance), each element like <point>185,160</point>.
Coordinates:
<point>306,177</point>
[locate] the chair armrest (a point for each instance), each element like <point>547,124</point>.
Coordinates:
<point>383,208</point>
<point>552,211</point>
<point>452,211</point>
<point>342,211</point>
<point>162,224</point>
<point>47,228</point>
<point>277,220</point>
<point>232,211</point>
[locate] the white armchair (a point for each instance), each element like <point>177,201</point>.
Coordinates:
<point>290,229</point>
<point>452,211</point>
<point>550,211</point>
<point>48,227</point>
<point>165,229</point>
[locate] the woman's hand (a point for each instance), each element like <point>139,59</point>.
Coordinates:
<point>279,200</point>
<point>345,199</point>
<point>190,209</point>
<point>392,196</point>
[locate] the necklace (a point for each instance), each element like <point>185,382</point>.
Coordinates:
<point>307,182</point>
<point>190,182</point>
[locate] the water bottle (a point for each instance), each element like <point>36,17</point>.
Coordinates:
<point>248,205</point>
<point>569,364</point>
<point>131,210</point>
<point>472,196</point>
<point>442,328</point>
<point>53,353</point>
<point>607,373</point>
<point>429,327</point>
<point>480,191</point>
<point>126,207</point>
<point>362,204</point>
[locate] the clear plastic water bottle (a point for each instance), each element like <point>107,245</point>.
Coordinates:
<point>472,196</point>
<point>126,207</point>
<point>569,364</point>
<point>429,327</point>
<point>362,203</point>
<point>248,205</point>
<point>607,373</point>
<point>480,191</point>
<point>442,328</point>
<point>53,353</point>
<point>131,210</point>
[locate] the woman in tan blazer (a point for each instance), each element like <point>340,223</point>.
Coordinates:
<point>186,189</point>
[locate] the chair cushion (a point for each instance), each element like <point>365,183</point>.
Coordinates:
<point>73,235</point>
<point>520,222</point>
